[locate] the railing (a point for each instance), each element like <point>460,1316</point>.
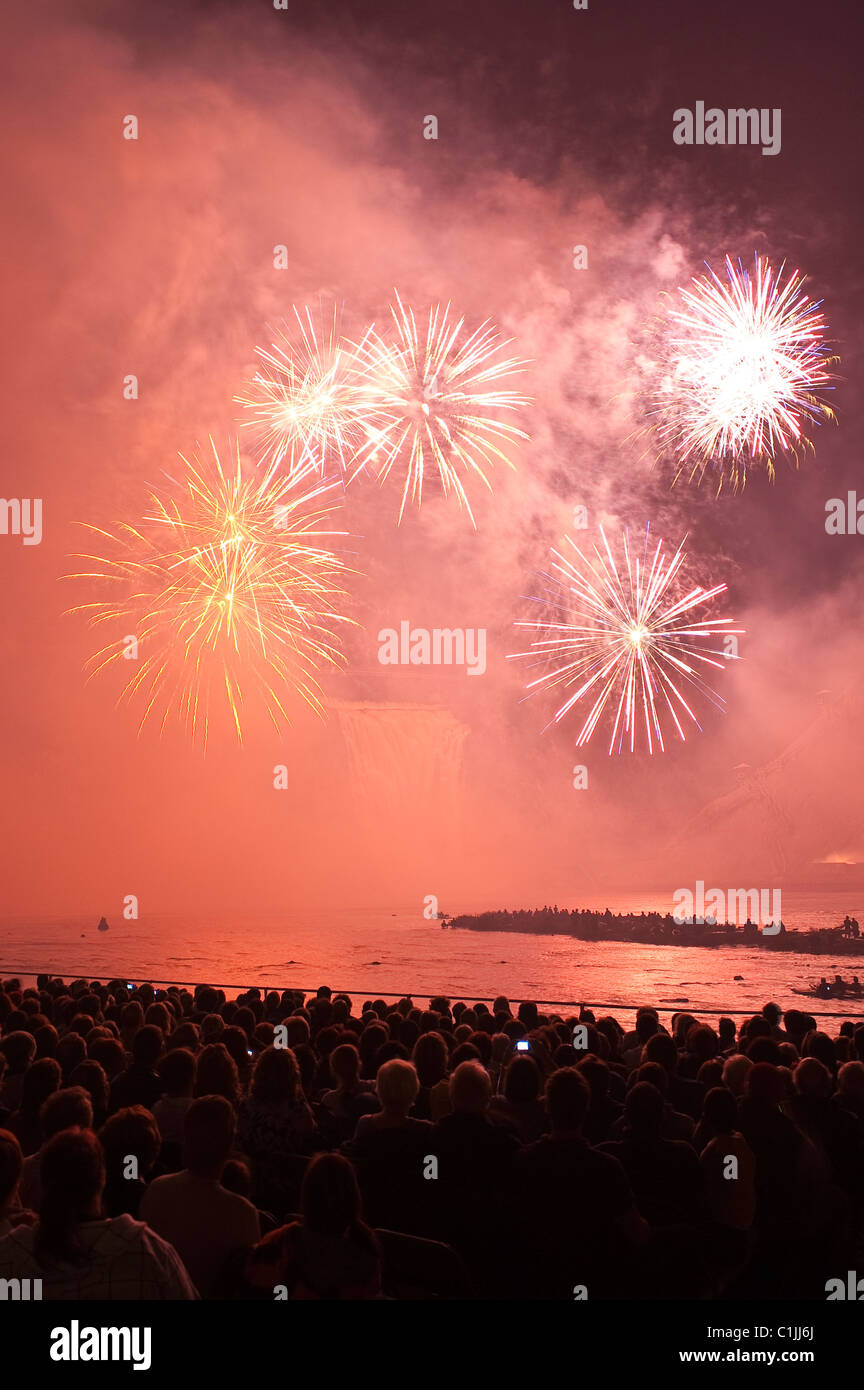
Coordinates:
<point>666,1008</point>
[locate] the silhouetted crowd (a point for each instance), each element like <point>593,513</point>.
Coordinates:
<point>164,1144</point>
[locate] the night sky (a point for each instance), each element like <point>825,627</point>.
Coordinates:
<point>304,128</point>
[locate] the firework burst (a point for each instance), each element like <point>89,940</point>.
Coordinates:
<point>746,373</point>
<point>438,401</point>
<point>229,591</point>
<point>308,403</point>
<point>624,638</point>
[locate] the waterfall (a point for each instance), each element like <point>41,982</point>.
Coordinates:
<point>404,759</point>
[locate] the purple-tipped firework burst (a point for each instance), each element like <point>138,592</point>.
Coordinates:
<point>745,373</point>
<point>623,638</point>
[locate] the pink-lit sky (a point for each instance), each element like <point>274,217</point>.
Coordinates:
<point>155,257</point>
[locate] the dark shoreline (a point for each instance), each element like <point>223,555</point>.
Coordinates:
<point>655,929</point>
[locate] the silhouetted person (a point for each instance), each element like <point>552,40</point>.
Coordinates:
<point>330,1253</point>
<point>204,1222</point>
<point>573,1210</point>
<point>389,1148</point>
<point>140,1084</point>
<point>664,1173</point>
<point>76,1252</point>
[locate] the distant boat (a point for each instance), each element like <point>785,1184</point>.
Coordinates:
<point>103,925</point>
<point>847,989</point>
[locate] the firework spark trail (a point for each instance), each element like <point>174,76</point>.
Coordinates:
<point>625,636</point>
<point>437,398</point>
<point>748,364</point>
<point>230,584</point>
<point>309,401</point>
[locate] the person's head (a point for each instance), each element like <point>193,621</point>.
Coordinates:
<point>131,1132</point>
<point>481,1041</point>
<point>773,1013</point>
<point>345,1065</point>
<point>661,1049</point>
<point>795,1024</point>
<point>11,1164</point>
<point>397,1085</point>
<point>147,1046</point>
<point>819,1045</point>
<point>812,1078</point>
<point>177,1072</point>
<point>206,999</point>
<point>330,1201</point>
<point>208,1135</point>
<point>596,1073</point>
<point>764,1050</point>
<point>765,1084</point>
<point>71,1049</point>
<point>296,1030</point>
<point>702,1042</point>
<point>19,1049</point>
<point>216,1073</point>
<point>430,1058</point>
<point>108,1052</point>
<point>850,1082</point>
<point>514,1029</point>
<point>527,1013</point>
<point>46,1038</point>
<point>131,1017</point>
<point>719,1110</point>
<point>72,1174</point>
<point>92,1079</point>
<point>41,1080</point>
<point>276,1076</point>
<point>726,1031</point>
<point>682,1024</point>
<point>70,1108</point>
<point>237,1178</point>
<point>187,1035</point>
<point>568,1096</point>
<point>755,1027</point>
<point>710,1074</point>
<point>470,1089</point>
<point>643,1111</point>
<point>212,1026</point>
<point>375,1034</point>
<point>238,1046</point>
<point>159,1016</point>
<point>647,1024</point>
<point>389,1051</point>
<point>652,1074</point>
<point>465,1052</point>
<point>245,1019</point>
<point>522,1080</point>
<point>735,1070</point>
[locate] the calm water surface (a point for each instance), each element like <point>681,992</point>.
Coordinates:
<point>415,956</point>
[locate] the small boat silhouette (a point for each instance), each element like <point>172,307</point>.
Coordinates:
<point>103,925</point>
